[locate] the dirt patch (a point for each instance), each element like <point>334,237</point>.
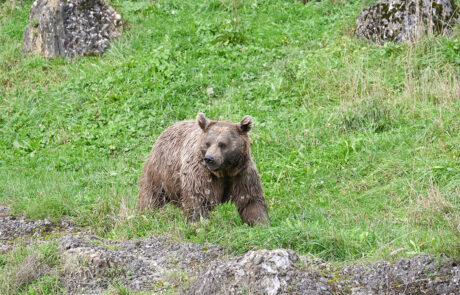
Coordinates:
<point>88,264</point>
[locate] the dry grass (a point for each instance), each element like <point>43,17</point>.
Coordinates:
<point>31,268</point>
<point>427,209</point>
<point>439,86</point>
<point>423,83</point>
<point>16,277</point>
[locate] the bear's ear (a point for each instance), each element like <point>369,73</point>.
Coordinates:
<point>202,121</point>
<point>246,124</point>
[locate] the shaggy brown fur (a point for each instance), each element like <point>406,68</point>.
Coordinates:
<point>199,164</point>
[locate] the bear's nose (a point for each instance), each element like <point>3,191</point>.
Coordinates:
<point>209,159</point>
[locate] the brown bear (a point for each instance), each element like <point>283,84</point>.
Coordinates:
<point>199,164</point>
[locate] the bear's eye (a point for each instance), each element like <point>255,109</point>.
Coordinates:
<point>208,144</point>
<point>222,145</point>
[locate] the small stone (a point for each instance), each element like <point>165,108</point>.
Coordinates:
<point>258,259</point>
<point>210,92</point>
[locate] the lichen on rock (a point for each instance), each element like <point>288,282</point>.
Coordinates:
<point>71,28</point>
<point>256,272</point>
<point>401,20</point>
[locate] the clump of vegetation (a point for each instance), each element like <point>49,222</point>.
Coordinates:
<point>370,114</point>
<point>30,271</point>
<point>355,142</point>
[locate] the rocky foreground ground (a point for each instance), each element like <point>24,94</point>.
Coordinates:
<point>159,265</point>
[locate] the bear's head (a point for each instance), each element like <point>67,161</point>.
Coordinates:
<point>224,145</point>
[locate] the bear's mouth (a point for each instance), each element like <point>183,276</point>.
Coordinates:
<point>212,167</point>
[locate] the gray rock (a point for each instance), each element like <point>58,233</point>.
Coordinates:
<point>91,264</point>
<point>278,272</point>
<point>406,20</point>
<point>423,274</point>
<point>71,27</point>
<point>12,227</point>
<point>257,272</point>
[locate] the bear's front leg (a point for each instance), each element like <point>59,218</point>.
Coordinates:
<point>248,195</point>
<point>198,192</point>
<point>255,213</point>
<point>194,206</point>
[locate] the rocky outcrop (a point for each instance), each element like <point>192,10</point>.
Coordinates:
<point>282,272</point>
<point>405,20</point>
<point>156,264</point>
<point>90,265</point>
<point>256,272</point>
<point>423,274</point>
<point>70,28</point>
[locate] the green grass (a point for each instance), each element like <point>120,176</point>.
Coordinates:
<point>357,145</point>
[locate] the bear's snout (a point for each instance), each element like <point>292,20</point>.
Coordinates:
<point>212,163</point>
<point>209,160</point>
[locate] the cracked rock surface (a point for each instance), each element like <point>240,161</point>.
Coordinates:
<point>423,274</point>
<point>278,272</point>
<point>406,20</point>
<point>256,272</point>
<point>92,265</point>
<point>70,28</point>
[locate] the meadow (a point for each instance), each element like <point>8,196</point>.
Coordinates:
<point>357,144</point>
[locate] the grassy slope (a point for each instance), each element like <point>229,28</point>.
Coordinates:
<point>357,145</point>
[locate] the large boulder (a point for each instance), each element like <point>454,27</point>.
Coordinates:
<point>405,20</point>
<point>71,27</point>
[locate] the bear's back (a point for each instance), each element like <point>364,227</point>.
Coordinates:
<point>175,144</point>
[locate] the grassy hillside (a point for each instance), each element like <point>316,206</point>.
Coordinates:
<point>357,145</point>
